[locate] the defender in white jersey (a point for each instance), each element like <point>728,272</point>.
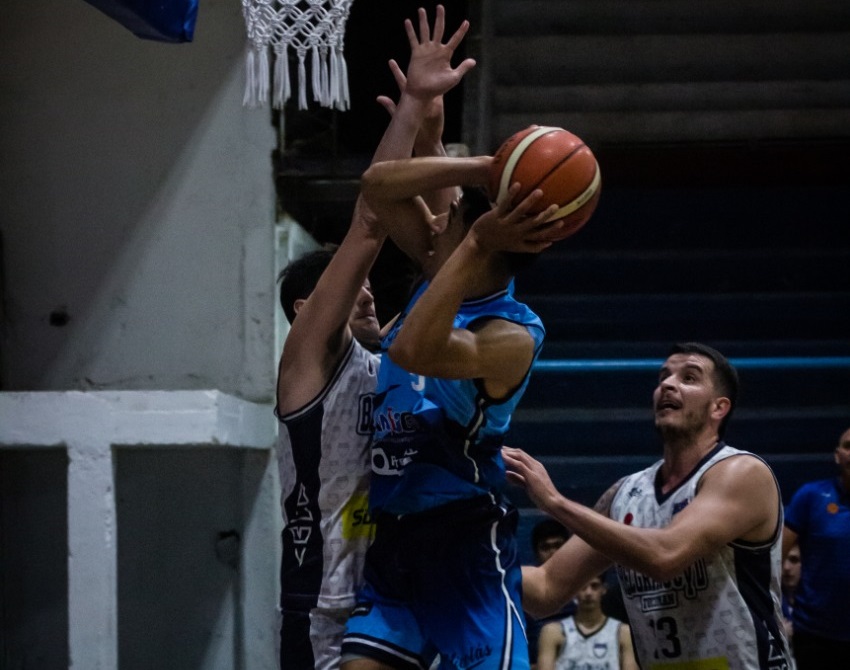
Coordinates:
<point>722,606</point>
<point>323,465</point>
<point>695,537</point>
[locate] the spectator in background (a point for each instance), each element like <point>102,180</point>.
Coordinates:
<point>790,581</point>
<point>547,536</point>
<point>818,519</point>
<point>589,639</point>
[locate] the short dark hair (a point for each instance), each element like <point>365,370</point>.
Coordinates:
<point>545,529</point>
<point>725,376</point>
<point>299,278</point>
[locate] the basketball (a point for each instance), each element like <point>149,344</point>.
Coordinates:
<point>555,161</point>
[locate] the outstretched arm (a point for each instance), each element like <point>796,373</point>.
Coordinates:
<point>547,588</point>
<point>497,351</point>
<point>429,76</point>
<point>320,335</point>
<point>737,500</point>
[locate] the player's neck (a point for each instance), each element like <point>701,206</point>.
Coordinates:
<point>589,621</point>
<point>488,280</point>
<point>682,454</point>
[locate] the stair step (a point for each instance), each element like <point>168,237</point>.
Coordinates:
<point>628,349</point>
<point>708,125</point>
<point>541,17</point>
<point>609,389</point>
<point>694,316</point>
<point>652,58</point>
<point>526,98</point>
<point>757,220</point>
<point>690,271</point>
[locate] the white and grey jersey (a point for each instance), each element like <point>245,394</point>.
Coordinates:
<point>598,651</point>
<point>324,465</point>
<point>723,612</point>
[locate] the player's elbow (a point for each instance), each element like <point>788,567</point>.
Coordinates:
<point>666,566</point>
<point>373,181</point>
<point>538,598</point>
<point>406,354</point>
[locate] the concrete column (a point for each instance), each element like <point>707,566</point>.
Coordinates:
<point>92,568</point>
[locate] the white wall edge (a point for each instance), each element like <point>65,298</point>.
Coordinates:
<point>134,418</point>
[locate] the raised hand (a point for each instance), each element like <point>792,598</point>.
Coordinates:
<point>431,129</point>
<point>525,471</point>
<point>506,228</point>
<point>430,72</point>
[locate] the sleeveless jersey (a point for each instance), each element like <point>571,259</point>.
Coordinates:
<point>723,612</point>
<point>439,440</point>
<point>323,461</point>
<point>597,651</point>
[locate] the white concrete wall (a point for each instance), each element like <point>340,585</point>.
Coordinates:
<point>138,200</point>
<point>164,552</point>
<point>137,260</point>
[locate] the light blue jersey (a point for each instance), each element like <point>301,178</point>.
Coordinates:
<point>443,575</point>
<point>439,440</point>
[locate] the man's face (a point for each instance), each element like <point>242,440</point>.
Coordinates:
<point>791,569</point>
<point>363,320</point>
<point>685,395</point>
<point>548,546</point>
<point>590,596</point>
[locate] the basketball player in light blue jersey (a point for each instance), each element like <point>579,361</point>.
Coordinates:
<point>443,573</point>
<point>696,537</point>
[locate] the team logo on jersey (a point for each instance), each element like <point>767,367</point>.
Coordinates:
<point>374,417</point>
<point>600,649</point>
<point>656,595</point>
<point>391,464</point>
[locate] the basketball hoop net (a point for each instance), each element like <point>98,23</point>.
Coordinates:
<point>314,27</point>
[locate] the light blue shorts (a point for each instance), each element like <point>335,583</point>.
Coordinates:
<point>447,582</point>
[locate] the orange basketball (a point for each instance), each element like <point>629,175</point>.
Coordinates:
<point>555,161</point>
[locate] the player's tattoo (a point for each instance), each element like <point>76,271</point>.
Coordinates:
<point>603,505</point>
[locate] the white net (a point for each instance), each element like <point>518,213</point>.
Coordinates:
<point>314,28</point>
